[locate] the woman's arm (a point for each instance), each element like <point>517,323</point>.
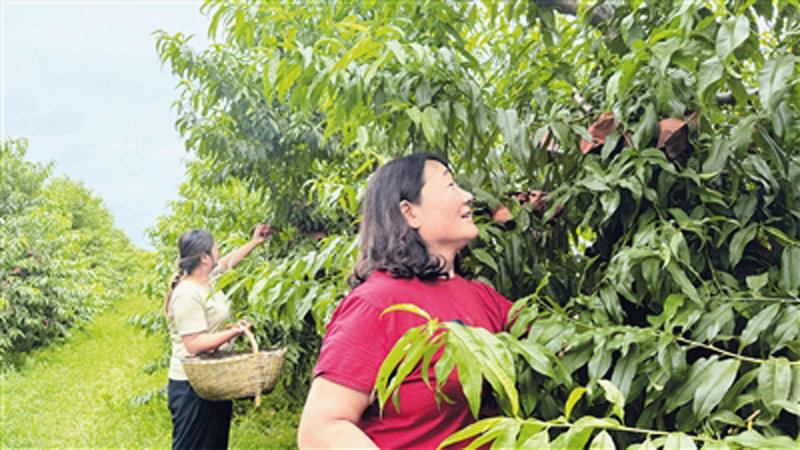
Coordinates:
<point>203,342</point>
<point>260,234</point>
<point>331,415</point>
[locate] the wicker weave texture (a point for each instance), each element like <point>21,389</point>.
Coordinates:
<point>237,376</point>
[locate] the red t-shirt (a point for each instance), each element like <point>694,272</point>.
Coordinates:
<point>358,339</point>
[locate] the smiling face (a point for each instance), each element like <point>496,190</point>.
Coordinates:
<point>442,216</point>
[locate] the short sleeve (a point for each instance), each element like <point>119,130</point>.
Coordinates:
<point>498,307</point>
<point>354,346</point>
<point>188,312</point>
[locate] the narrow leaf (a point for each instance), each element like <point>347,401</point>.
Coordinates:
<point>408,307</point>
<point>790,274</point>
<point>716,381</point>
<point>573,398</point>
<point>472,430</point>
<point>739,241</point>
<point>615,397</point>
<point>757,324</point>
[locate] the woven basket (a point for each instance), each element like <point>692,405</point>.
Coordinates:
<point>235,376</point>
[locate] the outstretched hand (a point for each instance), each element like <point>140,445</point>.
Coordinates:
<point>261,233</point>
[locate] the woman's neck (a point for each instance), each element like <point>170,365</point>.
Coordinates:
<point>199,277</point>
<point>449,258</point>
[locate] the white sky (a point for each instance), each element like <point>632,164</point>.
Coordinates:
<point>82,82</point>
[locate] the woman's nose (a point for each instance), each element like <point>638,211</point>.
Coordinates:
<point>468,197</point>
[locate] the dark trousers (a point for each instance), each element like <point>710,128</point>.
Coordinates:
<point>197,423</point>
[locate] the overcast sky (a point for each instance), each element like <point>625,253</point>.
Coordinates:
<point>82,82</point>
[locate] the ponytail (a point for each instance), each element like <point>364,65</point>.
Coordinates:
<point>176,278</point>
<point>191,246</point>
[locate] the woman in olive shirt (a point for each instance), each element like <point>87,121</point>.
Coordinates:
<point>195,315</point>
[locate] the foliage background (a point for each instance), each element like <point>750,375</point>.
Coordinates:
<point>657,291</point>
<point>61,259</point>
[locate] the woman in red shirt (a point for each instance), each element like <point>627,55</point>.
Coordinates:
<point>415,221</point>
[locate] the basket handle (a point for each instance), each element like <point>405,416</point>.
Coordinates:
<point>254,345</point>
<point>252,339</point>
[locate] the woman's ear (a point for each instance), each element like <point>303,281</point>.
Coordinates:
<point>410,213</point>
<point>205,258</point>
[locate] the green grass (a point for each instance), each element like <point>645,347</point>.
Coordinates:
<point>80,394</point>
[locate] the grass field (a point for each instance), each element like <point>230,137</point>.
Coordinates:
<point>81,394</point>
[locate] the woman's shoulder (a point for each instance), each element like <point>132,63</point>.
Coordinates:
<point>379,289</point>
<point>188,289</point>
<point>487,292</point>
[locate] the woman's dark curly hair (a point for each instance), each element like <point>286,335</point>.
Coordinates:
<point>387,242</point>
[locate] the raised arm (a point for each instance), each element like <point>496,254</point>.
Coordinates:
<point>261,233</point>
<point>331,415</point>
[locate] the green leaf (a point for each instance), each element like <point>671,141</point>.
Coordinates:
<point>687,387</point>
<point>414,350</point>
<point>497,364</point>
<point>679,441</point>
<point>715,445</point>
<point>472,430</point>
<point>709,73</point>
<point>287,74</point>
<point>647,127</point>
<point>756,282</point>
<point>680,278</point>
<point>787,329</point>
<point>739,241</point>
<point>794,395</point>
<point>508,437</point>
<point>602,441</point>
<point>389,364</point>
<point>485,438</point>
<point>711,323</point>
<point>671,305</point>
<point>792,407</point>
<point>717,157</point>
<point>790,275</point>
<point>732,33</point>
<point>256,290</point>
<point>398,50</point>
<point>407,307</point>
<point>753,439</point>
<point>729,418</point>
<point>610,201</point>
<point>600,361</point>
<point>469,372</point>
<point>679,248</point>
<point>573,398</point>
<point>715,383</point>
<point>539,441</point>
<point>774,382</point>
<point>757,324</point>
<point>742,134</point>
<point>773,78</point>
<point>615,397</point>
<point>535,355</point>
<point>647,445</point>
<point>484,257</point>
<point>581,431</point>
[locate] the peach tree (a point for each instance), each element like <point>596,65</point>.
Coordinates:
<point>644,158</point>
